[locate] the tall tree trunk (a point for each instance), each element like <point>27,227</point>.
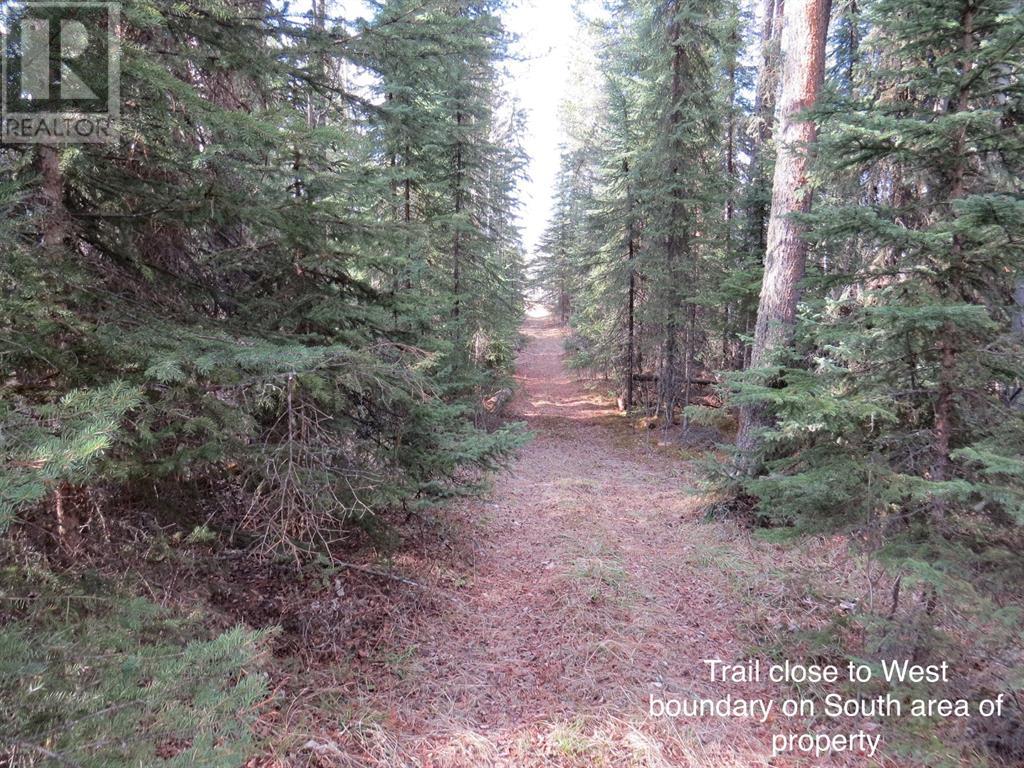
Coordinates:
<point>691,323</point>
<point>757,207</point>
<point>631,301</point>
<point>728,335</point>
<point>457,237</point>
<point>764,116</point>
<point>407,215</point>
<point>407,184</point>
<point>948,351</point>
<point>676,246</point>
<point>805,28</point>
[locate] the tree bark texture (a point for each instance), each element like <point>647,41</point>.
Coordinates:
<point>804,32</point>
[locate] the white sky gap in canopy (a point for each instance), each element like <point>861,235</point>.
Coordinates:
<point>537,80</point>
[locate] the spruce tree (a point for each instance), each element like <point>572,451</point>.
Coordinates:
<point>230,278</point>
<point>643,231</point>
<point>899,414</point>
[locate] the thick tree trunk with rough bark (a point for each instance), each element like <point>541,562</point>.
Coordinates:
<point>804,31</point>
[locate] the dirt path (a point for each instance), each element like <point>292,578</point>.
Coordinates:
<point>591,586</point>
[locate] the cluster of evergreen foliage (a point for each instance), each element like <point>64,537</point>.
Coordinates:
<point>900,402</point>
<point>644,244</point>
<point>286,288</point>
<point>892,408</point>
<point>92,677</point>
<point>295,273</point>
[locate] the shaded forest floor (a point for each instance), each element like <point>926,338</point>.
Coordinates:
<point>553,608</point>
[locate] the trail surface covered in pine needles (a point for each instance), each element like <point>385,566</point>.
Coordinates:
<point>590,583</point>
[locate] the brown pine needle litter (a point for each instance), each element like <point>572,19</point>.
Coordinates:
<point>585,582</point>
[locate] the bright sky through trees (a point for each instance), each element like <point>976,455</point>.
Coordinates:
<point>538,80</point>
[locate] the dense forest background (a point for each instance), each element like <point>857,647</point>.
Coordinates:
<point>278,317</point>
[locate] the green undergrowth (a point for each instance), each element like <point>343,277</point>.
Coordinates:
<point>93,677</point>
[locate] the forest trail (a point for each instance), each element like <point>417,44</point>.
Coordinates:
<point>591,586</point>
